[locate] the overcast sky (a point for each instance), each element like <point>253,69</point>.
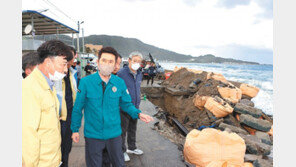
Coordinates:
<point>240,29</point>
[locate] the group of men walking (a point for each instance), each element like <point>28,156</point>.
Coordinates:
<point>54,100</point>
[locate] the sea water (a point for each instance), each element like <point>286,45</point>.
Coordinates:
<point>260,76</point>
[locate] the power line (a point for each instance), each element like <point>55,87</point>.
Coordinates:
<point>50,3</point>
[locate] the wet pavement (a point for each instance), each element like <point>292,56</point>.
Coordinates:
<point>158,151</point>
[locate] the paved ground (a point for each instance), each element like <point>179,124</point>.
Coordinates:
<point>158,151</point>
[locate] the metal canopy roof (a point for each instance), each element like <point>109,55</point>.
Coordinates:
<point>43,24</point>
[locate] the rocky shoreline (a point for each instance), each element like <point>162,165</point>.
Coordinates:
<point>192,99</point>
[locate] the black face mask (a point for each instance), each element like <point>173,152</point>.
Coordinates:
<point>73,66</point>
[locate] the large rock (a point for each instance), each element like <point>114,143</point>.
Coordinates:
<point>231,120</point>
<point>233,128</point>
<point>264,137</point>
<point>247,102</point>
<point>254,145</point>
<point>262,163</point>
<point>244,109</point>
<point>252,157</point>
<point>255,123</point>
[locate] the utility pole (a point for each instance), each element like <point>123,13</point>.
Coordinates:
<point>78,48</point>
<point>78,38</point>
<point>72,40</point>
<point>83,48</point>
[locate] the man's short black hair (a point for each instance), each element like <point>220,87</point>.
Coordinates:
<point>73,50</point>
<point>108,49</point>
<point>29,60</point>
<point>54,48</point>
<point>119,56</point>
<point>78,62</point>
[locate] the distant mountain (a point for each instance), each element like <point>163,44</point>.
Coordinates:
<point>209,58</point>
<point>125,46</point>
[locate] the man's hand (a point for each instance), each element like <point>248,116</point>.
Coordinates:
<point>145,118</point>
<point>75,137</point>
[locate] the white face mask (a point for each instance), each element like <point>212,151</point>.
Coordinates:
<point>135,66</point>
<point>56,76</point>
<point>106,70</point>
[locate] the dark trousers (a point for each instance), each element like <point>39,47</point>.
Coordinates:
<point>78,80</point>
<point>150,77</point>
<point>94,152</point>
<point>66,145</point>
<point>129,128</point>
<point>106,159</point>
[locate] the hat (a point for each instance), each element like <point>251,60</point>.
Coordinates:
<point>75,60</point>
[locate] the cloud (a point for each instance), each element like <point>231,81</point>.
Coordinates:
<point>267,6</point>
<point>191,2</point>
<point>242,52</point>
<point>137,0</point>
<point>232,3</point>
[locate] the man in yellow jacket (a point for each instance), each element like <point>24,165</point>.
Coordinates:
<point>41,134</point>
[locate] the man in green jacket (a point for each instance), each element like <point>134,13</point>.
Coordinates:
<point>100,95</point>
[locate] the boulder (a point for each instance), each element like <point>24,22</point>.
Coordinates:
<point>231,120</point>
<point>255,146</point>
<point>255,123</point>
<point>252,157</point>
<point>233,128</point>
<point>264,137</point>
<point>247,102</point>
<point>244,109</point>
<point>262,163</point>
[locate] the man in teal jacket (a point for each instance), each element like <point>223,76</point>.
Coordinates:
<point>100,95</point>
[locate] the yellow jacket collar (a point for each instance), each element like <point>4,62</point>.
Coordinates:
<point>40,78</point>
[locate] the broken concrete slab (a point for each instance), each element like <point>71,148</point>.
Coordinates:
<point>255,123</point>
<point>255,146</point>
<point>262,163</point>
<point>244,109</point>
<point>247,102</point>
<point>231,120</point>
<point>252,157</point>
<point>233,128</point>
<point>264,137</point>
